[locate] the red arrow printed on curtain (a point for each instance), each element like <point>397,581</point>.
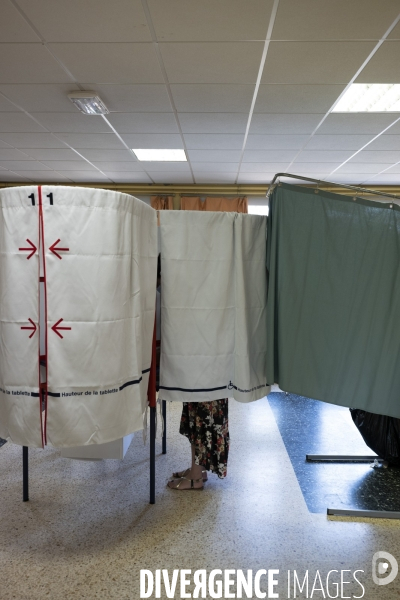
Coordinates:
<point>56,328</point>
<point>57,250</point>
<point>32,328</point>
<point>32,249</point>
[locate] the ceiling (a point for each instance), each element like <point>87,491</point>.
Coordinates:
<point>244,86</point>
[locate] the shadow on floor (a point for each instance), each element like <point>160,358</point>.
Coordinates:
<point>312,427</point>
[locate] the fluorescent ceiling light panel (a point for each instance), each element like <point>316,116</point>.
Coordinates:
<point>370,97</point>
<point>175,155</point>
<point>89,103</point>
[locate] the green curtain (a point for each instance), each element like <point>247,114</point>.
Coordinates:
<point>334,298</point>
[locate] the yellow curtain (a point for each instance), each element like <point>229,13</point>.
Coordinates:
<point>215,204</point>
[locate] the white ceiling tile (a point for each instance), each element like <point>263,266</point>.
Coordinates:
<point>6,105</point>
<point>141,122</point>
<point>314,62</point>
<point>18,122</point>
<point>269,156</point>
<point>13,27</point>
<point>300,168</point>
<point>395,129</point>
<point>352,179</point>
<point>386,142</point>
<point>214,155</point>
<point>72,123</point>
<point>128,177</point>
<point>171,177</point>
<point>225,62</point>
<point>383,66</point>
<point>367,168</point>
<point>356,123</point>
<point>51,154</point>
<point>340,20</point>
<point>77,21</point>
<point>133,98</point>
<point>43,176</point>
<point>13,177</point>
<point>190,20</point>
<point>85,176</point>
<point>29,63</point>
<point>69,165</point>
<point>257,178</point>
<point>92,140</point>
<point>155,165</point>
<point>395,34</point>
<point>222,177</point>
<point>41,98</point>
<point>210,167</point>
<point>386,179</point>
<point>275,142</point>
<point>110,63</point>
<point>213,122</point>
<point>376,156</point>
<point>32,140</point>
<point>115,166</point>
<point>335,156</point>
<point>212,98</point>
<point>394,169</point>
<point>284,124</point>
<point>338,142</point>
<point>209,141</point>
<point>264,167</point>
<point>23,165</point>
<point>97,154</point>
<point>152,140</point>
<point>296,98</point>
<point>12,154</point>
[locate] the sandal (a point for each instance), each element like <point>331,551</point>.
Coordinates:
<point>179,474</point>
<point>192,488</point>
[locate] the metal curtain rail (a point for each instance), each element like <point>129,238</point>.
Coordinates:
<point>322,182</point>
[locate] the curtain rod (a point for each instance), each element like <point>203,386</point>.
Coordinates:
<point>324,182</point>
<point>248,189</point>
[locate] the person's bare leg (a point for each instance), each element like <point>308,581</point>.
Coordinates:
<point>195,472</point>
<point>192,469</point>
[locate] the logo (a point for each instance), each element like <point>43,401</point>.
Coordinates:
<point>379,568</point>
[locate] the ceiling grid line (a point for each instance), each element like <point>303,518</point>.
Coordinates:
<point>166,80</point>
<point>54,135</point>
<point>364,64</point>
<point>258,81</point>
<point>44,42</point>
<point>78,84</point>
<point>365,146</point>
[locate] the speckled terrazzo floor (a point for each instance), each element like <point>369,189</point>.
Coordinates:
<point>88,528</point>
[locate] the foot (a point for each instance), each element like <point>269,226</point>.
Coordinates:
<point>188,473</point>
<point>186,483</point>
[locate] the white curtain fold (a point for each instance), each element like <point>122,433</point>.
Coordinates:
<point>213,306</point>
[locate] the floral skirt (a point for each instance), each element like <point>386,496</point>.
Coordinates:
<point>205,424</point>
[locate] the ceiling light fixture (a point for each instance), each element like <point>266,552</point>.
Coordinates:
<point>370,97</point>
<point>88,103</point>
<point>175,155</point>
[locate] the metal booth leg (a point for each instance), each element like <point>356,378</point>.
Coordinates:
<point>349,458</point>
<point>153,454</point>
<point>164,416</point>
<point>25,474</point>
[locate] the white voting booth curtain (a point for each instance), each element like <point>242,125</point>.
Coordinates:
<point>213,306</point>
<point>94,255</point>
